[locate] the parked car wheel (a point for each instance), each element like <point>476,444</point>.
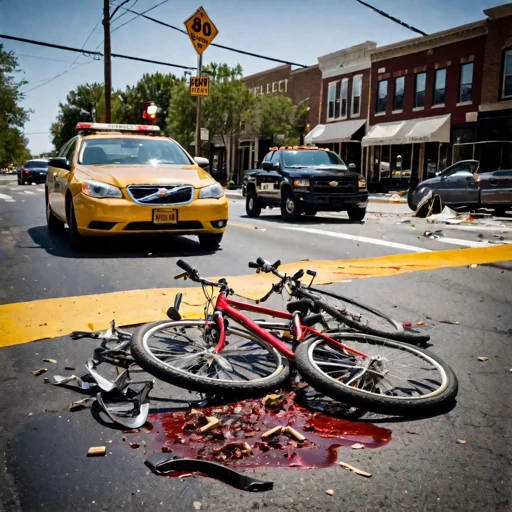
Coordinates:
<point>53,222</point>
<point>356,214</point>
<point>76,240</point>
<point>210,241</point>
<point>502,210</point>
<point>252,204</point>
<point>289,208</point>
<point>411,198</point>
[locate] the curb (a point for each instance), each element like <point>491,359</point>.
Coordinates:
<point>374,200</point>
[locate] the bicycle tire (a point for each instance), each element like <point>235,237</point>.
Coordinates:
<point>331,370</point>
<point>206,361</point>
<point>345,317</point>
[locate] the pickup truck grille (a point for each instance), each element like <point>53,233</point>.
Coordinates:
<point>345,185</point>
<point>161,194</point>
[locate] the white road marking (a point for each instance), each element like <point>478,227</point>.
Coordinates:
<point>29,192</point>
<point>466,243</point>
<point>363,239</point>
<point>40,189</point>
<point>497,228</point>
<point>7,199</point>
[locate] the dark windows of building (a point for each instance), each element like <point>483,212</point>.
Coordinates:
<point>466,82</point>
<point>507,74</point>
<point>356,95</point>
<point>337,104</point>
<point>420,81</point>
<point>382,96</point>
<point>331,100</point>
<point>439,86</point>
<point>344,97</point>
<point>398,103</point>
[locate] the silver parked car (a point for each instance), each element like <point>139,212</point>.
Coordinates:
<point>462,185</point>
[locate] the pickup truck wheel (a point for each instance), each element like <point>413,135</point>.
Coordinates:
<point>252,204</point>
<point>356,214</point>
<point>502,210</point>
<point>289,208</point>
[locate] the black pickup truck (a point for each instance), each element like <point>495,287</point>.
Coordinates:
<point>304,180</point>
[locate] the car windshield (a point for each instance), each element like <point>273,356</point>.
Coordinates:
<point>36,164</point>
<point>311,158</point>
<point>131,151</point>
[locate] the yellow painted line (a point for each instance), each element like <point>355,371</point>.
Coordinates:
<point>28,321</point>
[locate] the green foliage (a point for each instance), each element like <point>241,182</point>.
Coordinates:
<point>12,115</point>
<point>181,120</point>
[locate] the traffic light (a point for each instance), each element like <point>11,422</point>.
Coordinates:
<point>149,110</point>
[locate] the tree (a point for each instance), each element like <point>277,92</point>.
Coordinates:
<point>155,87</point>
<point>12,115</point>
<point>181,119</point>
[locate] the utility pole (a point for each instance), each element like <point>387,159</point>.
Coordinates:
<point>108,70</point>
<point>198,111</point>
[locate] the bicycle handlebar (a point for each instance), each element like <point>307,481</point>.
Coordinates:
<point>187,267</point>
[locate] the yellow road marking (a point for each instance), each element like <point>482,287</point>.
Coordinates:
<point>28,321</point>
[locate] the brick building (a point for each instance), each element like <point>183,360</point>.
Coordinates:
<point>344,102</point>
<point>424,94</point>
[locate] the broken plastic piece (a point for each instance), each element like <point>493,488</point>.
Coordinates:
<point>330,492</point>
<point>134,418</point>
<point>120,383</point>
<point>61,380</point>
<point>355,470</point>
<point>162,463</point>
<point>272,431</point>
<point>96,450</point>
<point>294,433</point>
<point>40,371</point>
<point>54,361</point>
<point>482,358</point>
<point>80,404</point>
<point>213,422</point>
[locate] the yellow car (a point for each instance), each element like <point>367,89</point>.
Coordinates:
<point>114,179</point>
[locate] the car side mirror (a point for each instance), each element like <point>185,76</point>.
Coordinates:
<point>60,162</point>
<point>204,163</point>
<point>438,173</point>
<point>267,166</point>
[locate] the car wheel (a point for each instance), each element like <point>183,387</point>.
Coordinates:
<point>210,241</point>
<point>53,222</point>
<point>502,210</point>
<point>252,204</point>
<point>356,214</point>
<point>411,199</point>
<point>289,208</point>
<point>76,240</point>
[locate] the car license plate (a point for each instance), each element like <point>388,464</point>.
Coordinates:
<point>164,216</point>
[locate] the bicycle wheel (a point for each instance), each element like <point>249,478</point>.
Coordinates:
<point>182,354</point>
<point>395,378</point>
<point>364,318</point>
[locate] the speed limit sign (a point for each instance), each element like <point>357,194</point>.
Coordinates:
<point>201,30</point>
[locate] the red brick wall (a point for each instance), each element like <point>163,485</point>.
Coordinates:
<point>306,83</point>
<point>364,94</point>
<point>499,38</point>
<point>421,61</point>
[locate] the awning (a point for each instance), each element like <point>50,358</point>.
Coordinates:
<point>334,132</point>
<point>426,129</point>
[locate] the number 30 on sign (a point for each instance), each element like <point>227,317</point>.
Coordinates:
<point>201,30</point>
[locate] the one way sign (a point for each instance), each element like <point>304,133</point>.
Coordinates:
<point>199,85</point>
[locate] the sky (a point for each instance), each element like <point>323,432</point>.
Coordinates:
<point>295,30</point>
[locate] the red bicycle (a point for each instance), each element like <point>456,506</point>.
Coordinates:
<point>229,353</point>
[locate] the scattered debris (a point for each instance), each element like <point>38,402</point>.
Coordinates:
<point>330,492</point>
<point>294,433</point>
<point>482,358</point>
<point>80,404</point>
<point>131,431</point>
<point>96,450</point>
<point>272,399</point>
<point>40,371</point>
<point>448,322</point>
<point>272,431</point>
<point>213,422</point>
<point>46,380</point>
<point>355,470</point>
<point>120,383</point>
<point>407,324</point>
<point>61,380</point>
<point>69,368</point>
<point>54,361</point>
<point>420,323</point>
<point>134,445</point>
<point>461,441</point>
<point>357,446</point>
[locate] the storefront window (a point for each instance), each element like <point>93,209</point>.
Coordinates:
<point>444,155</point>
<point>507,74</point>
<point>462,152</point>
<point>374,168</point>
<point>384,167</point>
<point>431,156</point>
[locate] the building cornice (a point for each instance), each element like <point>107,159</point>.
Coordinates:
<point>500,11</point>
<point>347,60</point>
<point>423,43</point>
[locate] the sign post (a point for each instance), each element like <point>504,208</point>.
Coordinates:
<point>201,31</point>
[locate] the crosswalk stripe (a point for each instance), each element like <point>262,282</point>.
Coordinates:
<point>363,239</point>
<point>465,243</point>
<point>29,192</point>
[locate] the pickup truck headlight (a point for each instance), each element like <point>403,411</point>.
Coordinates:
<point>211,191</point>
<point>100,190</point>
<point>362,183</point>
<point>301,183</point>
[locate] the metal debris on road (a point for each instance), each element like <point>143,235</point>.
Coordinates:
<point>54,361</point>
<point>60,380</point>
<point>40,371</point>
<point>330,492</point>
<point>482,358</point>
<point>461,441</point>
<point>355,470</point>
<point>96,450</point>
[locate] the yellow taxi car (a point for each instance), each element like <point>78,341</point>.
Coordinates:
<point>115,179</point>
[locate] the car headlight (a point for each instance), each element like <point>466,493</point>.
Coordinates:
<point>301,183</point>
<point>99,189</point>
<point>362,183</point>
<point>211,191</point>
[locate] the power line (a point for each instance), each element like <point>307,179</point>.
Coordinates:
<point>214,44</point>
<point>392,18</point>
<point>89,52</point>
<point>38,57</point>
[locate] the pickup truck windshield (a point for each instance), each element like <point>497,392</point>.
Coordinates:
<point>311,158</point>
<point>131,151</point>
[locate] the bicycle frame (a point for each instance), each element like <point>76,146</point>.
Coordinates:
<point>233,309</point>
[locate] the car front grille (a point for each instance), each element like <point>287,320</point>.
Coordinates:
<point>345,185</point>
<point>149,226</point>
<point>161,194</point>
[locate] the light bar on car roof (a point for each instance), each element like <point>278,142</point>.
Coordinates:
<point>117,127</point>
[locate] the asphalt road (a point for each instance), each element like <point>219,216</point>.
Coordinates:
<point>43,445</point>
